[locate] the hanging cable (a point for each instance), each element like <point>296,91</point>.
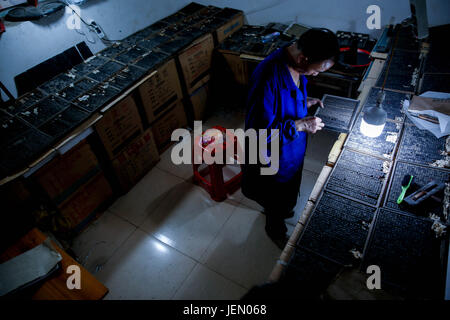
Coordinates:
<point>90,26</point>
<point>390,59</point>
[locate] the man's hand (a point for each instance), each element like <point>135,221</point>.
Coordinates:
<point>309,124</point>
<point>312,101</point>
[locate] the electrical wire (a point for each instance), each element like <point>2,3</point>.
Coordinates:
<point>89,25</point>
<point>84,34</point>
<point>390,59</point>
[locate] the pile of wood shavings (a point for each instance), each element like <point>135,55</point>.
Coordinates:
<point>447,200</point>
<point>444,163</point>
<point>437,226</point>
<point>386,166</point>
<point>392,137</point>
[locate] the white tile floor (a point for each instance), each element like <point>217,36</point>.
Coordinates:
<point>167,239</point>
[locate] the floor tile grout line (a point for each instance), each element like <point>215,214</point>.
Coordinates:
<point>132,224</point>
<point>233,202</point>
<point>203,264</point>
<point>185,254</point>
<point>192,258</point>
<point>312,172</point>
<point>171,247</point>
<point>167,171</point>
<point>225,277</point>
<point>117,249</point>
<point>182,283</point>
<point>120,218</point>
<point>241,201</point>
<point>154,209</point>
<point>171,173</point>
<point>228,201</point>
<point>218,232</point>
<point>124,219</point>
<point>250,207</point>
<point>151,236</point>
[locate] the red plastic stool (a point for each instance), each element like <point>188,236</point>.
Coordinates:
<point>217,188</point>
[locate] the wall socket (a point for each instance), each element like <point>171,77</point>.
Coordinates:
<point>97,29</point>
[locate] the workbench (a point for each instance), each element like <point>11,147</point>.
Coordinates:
<point>346,226</point>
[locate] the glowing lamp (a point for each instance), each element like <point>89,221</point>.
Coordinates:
<point>374,119</point>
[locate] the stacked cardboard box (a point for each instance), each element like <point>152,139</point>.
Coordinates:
<point>178,90</point>
<point>199,102</point>
<point>234,21</point>
<point>82,205</point>
<point>119,126</point>
<point>195,62</point>
<point>180,48</point>
<point>131,151</point>
<point>161,91</point>
<point>66,173</point>
<point>221,23</point>
<point>187,38</point>
<point>162,100</point>
<point>238,67</point>
<point>136,160</point>
<point>196,59</point>
<point>171,120</point>
<point>75,184</point>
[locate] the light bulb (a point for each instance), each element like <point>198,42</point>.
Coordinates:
<point>374,119</point>
<point>371,130</point>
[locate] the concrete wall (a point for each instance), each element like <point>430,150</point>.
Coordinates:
<point>26,44</point>
<point>347,15</point>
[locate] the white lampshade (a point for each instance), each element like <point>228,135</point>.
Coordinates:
<point>374,119</point>
<point>371,130</point>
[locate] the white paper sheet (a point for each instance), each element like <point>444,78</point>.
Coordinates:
<point>28,266</point>
<point>439,130</point>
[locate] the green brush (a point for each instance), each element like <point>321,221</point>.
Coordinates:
<point>406,182</point>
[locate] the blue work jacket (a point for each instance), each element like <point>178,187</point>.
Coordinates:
<point>275,102</point>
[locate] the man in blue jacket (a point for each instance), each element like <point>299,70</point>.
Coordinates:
<point>277,99</point>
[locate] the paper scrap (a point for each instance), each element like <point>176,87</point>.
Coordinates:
<point>28,266</point>
<point>439,130</point>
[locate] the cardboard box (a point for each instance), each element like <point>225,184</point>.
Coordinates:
<point>238,67</point>
<point>119,125</point>
<point>195,62</point>
<point>230,27</point>
<point>16,194</point>
<point>64,174</point>
<point>84,203</point>
<point>161,91</point>
<point>199,99</point>
<point>136,160</point>
<point>162,129</point>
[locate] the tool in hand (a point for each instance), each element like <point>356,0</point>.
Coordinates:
<point>406,182</point>
<point>426,192</point>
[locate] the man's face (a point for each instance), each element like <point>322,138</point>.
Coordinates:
<point>311,69</point>
<point>314,69</point>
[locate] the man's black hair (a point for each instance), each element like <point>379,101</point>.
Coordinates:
<point>319,44</point>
